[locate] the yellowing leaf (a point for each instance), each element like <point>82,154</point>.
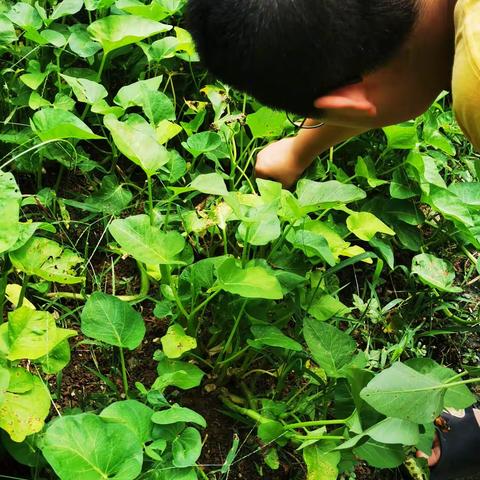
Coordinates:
<point>365,225</point>
<point>175,343</point>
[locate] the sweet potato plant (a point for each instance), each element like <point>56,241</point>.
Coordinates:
<point>316,316</point>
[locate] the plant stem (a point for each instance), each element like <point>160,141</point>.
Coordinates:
<point>233,332</point>
<point>150,199</point>
<point>3,287</point>
<point>22,291</point>
<point>306,438</point>
<point>102,66</point>
<point>124,373</point>
<point>469,255</point>
<point>319,423</point>
<point>205,303</point>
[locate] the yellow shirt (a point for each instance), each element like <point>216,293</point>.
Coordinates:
<point>466,70</point>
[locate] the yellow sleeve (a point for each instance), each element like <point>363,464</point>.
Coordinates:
<point>466,70</point>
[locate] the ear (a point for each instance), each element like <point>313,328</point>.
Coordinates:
<point>351,99</point>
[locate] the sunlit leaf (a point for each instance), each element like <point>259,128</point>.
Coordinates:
<point>110,320</point>
<point>117,31</point>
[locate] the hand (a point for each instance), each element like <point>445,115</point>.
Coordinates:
<point>436,453</point>
<point>278,161</point>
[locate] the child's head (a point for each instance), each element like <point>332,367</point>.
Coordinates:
<point>287,53</point>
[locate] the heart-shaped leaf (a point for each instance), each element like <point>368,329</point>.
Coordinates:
<point>250,282</point>
<point>117,31</point>
<point>177,414</point>
<point>110,320</point>
<point>88,446</point>
<point>55,124</point>
<point>133,414</point>
<point>435,272</point>
<point>175,343</point>
<point>401,392</point>
<point>331,348</point>
<point>86,90</point>
<point>186,448</point>
<point>147,243</point>
<point>138,143</point>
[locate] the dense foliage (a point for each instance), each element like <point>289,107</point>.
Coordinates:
<point>312,315</point>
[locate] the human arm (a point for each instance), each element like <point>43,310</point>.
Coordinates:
<point>286,160</point>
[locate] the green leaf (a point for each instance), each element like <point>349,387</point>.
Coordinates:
<point>10,198</point>
<point>132,95</point>
<point>117,31</point>
<point>54,38</point>
<point>401,392</point>
<point>322,462</point>
<point>23,414</point>
<point>65,8</point>
<point>35,77</point>
<point>327,194</point>
<point>271,431</point>
<point>401,187</point>
<point>324,307</point>
<point>210,183</point>
<point>272,337</point>
<point>251,282</point>
<point>4,382</point>
<point>7,31</point>
<point>391,431</point>
<point>468,193</point>
<point>157,106</point>
<point>312,245</point>
<point>331,348</point>
<point>379,455</point>
<point>134,415</point>
<point>86,90</point>
<point>177,414</point>
<point>365,168</point>
<point>48,260</point>
<point>459,397</point>
<point>260,223</point>
<point>92,5</point>
<point>111,198</point>
<point>147,243</point>
<point>365,226</point>
<point>266,123</point>
<point>81,43</point>
<point>154,11</point>
<point>89,447</point>
<point>166,130</point>
<point>110,320</point>
<point>175,343</point>
<point>186,448</point>
<point>203,142</point>
<point>177,374</point>
<point>33,334</point>
<point>138,144</point>
<point>57,359</point>
<point>401,137</point>
<point>450,206</point>
<point>435,272</point>
<point>25,16</point>
<point>55,124</point>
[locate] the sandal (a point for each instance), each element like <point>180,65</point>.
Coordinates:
<point>459,435</point>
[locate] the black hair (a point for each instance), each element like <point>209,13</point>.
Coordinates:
<point>286,53</point>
